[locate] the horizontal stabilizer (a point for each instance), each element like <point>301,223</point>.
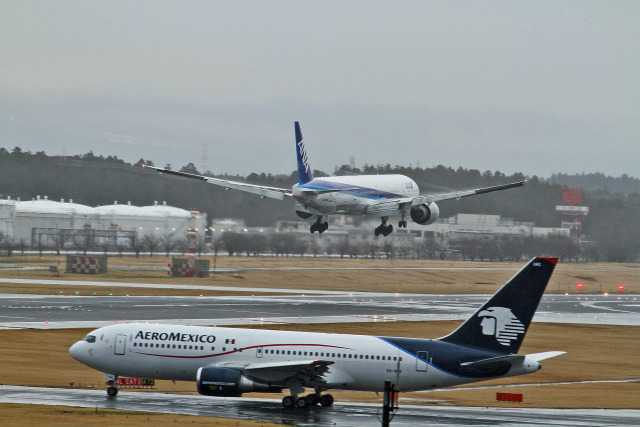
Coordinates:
<point>513,359</point>
<point>546,355</point>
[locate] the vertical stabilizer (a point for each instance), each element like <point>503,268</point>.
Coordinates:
<point>501,323</point>
<point>304,169</point>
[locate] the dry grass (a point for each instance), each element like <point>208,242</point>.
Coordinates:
<point>327,274</point>
<point>39,415</point>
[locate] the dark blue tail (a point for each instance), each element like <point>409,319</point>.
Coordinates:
<point>501,323</point>
<point>304,169</point>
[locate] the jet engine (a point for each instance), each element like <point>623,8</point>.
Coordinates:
<point>226,382</point>
<point>304,214</point>
<point>425,214</point>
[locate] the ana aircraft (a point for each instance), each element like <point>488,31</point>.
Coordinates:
<point>382,196</point>
<point>229,361</point>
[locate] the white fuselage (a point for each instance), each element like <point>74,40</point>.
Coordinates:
<point>361,191</point>
<point>174,352</point>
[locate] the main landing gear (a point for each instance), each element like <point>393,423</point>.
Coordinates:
<point>383,228</point>
<point>307,401</point>
<point>319,226</point>
<point>112,390</point>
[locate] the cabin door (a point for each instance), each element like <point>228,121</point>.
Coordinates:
<point>421,361</point>
<point>121,342</point>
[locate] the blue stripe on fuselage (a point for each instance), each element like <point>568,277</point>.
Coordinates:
<point>365,192</point>
<point>448,356</point>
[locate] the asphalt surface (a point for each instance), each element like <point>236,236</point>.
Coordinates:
<point>341,414</point>
<point>58,311</point>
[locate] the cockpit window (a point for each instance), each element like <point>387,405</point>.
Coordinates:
<point>90,338</point>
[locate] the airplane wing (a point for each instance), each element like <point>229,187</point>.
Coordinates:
<point>263,191</point>
<point>464,193</point>
<point>281,371</point>
<point>391,206</point>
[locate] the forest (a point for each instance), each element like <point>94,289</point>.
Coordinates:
<point>613,222</point>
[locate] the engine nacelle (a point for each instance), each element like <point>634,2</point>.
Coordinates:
<point>226,382</point>
<point>425,214</point>
<point>304,214</point>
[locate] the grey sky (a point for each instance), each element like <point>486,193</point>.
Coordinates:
<point>535,87</point>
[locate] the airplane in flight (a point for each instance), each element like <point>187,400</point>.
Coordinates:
<point>228,362</point>
<point>382,196</point>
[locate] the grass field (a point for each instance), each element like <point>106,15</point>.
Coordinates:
<point>595,353</point>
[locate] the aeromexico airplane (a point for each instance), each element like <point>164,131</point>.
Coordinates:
<point>382,196</point>
<point>229,361</point>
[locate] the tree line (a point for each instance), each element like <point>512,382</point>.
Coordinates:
<point>613,224</point>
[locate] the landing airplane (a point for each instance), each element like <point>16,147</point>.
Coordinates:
<point>228,361</point>
<point>382,196</point>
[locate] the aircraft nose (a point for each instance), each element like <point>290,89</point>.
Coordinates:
<point>76,350</point>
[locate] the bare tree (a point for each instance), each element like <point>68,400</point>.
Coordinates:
<point>150,242</point>
<point>168,242</point>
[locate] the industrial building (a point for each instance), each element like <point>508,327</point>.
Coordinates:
<point>42,222</point>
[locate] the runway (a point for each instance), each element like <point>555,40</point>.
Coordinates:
<point>57,311</point>
<point>341,414</point>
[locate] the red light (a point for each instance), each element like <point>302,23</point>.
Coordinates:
<point>621,288</point>
<point>580,286</point>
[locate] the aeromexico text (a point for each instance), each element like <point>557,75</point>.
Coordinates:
<point>175,336</point>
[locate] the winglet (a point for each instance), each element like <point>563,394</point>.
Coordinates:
<point>304,169</point>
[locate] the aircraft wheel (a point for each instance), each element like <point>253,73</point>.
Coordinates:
<point>377,231</point>
<point>326,400</point>
<point>325,226</point>
<point>313,228</point>
<point>112,391</point>
<point>302,402</point>
<point>288,401</point>
<point>312,399</point>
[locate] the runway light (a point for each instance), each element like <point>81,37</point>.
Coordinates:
<point>621,288</point>
<point>580,286</point>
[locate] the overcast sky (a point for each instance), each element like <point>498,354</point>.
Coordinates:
<point>516,86</point>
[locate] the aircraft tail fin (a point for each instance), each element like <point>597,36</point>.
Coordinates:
<point>304,168</point>
<point>502,322</point>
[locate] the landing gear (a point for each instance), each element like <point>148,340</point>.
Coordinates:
<point>288,401</point>
<point>326,400</point>
<point>319,226</point>
<point>310,400</point>
<point>112,390</point>
<point>383,228</point>
<point>402,224</point>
